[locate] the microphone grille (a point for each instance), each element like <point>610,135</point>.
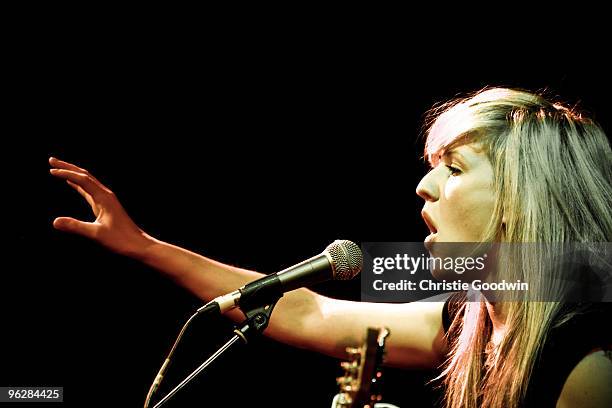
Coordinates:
<point>346,257</point>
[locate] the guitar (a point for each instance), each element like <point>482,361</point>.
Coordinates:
<point>360,384</point>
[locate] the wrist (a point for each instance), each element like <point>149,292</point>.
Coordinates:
<point>144,250</point>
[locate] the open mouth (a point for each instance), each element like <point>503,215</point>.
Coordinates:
<point>429,222</point>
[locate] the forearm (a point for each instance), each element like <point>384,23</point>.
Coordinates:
<point>207,279</point>
<point>204,277</point>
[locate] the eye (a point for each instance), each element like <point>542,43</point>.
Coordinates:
<point>454,171</point>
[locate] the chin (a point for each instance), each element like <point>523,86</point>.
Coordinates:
<point>446,275</point>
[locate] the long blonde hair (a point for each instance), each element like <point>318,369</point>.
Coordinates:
<point>553,172</point>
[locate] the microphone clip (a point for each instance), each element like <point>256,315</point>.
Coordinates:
<point>261,292</point>
<point>257,301</point>
<point>256,321</point>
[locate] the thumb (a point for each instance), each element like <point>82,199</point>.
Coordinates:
<point>68,224</point>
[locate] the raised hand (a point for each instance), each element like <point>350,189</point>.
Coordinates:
<point>112,227</point>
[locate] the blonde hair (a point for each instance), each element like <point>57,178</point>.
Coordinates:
<point>553,171</point>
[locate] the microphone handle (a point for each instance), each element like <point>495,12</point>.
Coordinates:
<point>309,272</point>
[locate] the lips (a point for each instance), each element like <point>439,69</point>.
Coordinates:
<point>429,222</point>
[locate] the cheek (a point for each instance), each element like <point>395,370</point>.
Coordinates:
<point>458,200</point>
<point>467,207</point>
<point>453,187</point>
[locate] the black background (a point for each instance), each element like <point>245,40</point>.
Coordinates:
<point>252,152</point>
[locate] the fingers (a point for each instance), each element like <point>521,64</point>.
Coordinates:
<point>71,225</point>
<point>60,164</point>
<point>88,183</point>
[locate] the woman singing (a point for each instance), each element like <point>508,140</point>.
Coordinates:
<point>508,166</point>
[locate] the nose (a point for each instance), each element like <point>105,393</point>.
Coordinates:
<point>428,188</point>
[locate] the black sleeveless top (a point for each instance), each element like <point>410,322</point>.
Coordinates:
<point>565,347</point>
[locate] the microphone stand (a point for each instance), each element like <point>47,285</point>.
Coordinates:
<point>256,321</point>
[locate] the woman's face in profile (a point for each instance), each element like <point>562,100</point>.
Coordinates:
<point>459,196</point>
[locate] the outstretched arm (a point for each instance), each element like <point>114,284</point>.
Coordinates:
<point>301,318</point>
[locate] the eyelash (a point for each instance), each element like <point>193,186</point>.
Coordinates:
<point>454,171</point>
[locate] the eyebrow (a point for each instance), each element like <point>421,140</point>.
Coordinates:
<point>435,159</point>
<point>454,153</point>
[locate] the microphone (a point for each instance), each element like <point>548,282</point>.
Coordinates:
<point>341,260</point>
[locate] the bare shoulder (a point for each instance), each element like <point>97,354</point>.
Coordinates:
<point>589,383</point>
